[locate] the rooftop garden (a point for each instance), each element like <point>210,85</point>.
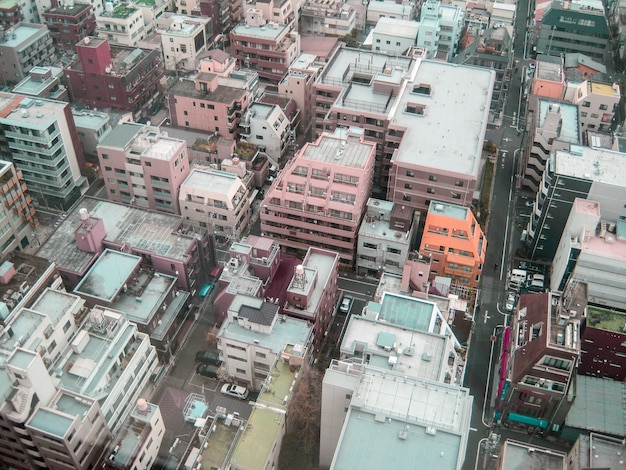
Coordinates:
<point>123,11</point>
<point>245,150</point>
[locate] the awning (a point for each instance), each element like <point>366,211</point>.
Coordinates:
<point>541,423</point>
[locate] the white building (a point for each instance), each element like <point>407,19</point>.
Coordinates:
<point>267,126</point>
<point>183,40</point>
<point>216,201</point>
<point>122,24</point>
<point>440,29</point>
<point>323,17</point>
<point>393,35</point>
<point>597,103</point>
<point>404,10</point>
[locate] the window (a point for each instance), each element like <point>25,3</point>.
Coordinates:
<point>410,173</point>
<point>430,190</point>
<point>408,186</point>
<point>583,114</point>
<point>370,245</point>
<point>432,177</point>
<point>556,363</point>
<point>416,108</point>
<point>586,104</point>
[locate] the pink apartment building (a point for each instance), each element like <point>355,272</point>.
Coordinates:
<point>320,197</point>
<point>207,104</point>
<point>143,167</point>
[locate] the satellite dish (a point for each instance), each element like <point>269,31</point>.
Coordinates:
<point>87,40</point>
<point>107,69</point>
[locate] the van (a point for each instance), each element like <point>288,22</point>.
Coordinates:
<point>536,286</point>
<point>208,357</point>
<point>538,277</point>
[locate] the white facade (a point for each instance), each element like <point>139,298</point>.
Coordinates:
<point>183,40</point>
<point>394,35</point>
<point>389,9</point>
<point>267,126</point>
<point>440,29</point>
<point>597,104</point>
<point>121,24</point>
<point>321,17</point>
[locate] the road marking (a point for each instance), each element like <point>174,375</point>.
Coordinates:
<point>473,429</point>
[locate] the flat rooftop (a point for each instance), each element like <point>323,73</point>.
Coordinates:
<point>404,421</point>
<point>32,113</point>
<point>396,27</point>
<point>144,295</point>
<point>219,441</point>
<point>605,319</point>
<point>107,275</point>
<point>518,456</point>
<point>23,33</point>
<point>342,148</point>
<point>270,31</point>
<point>150,231</point>
<point>599,165</point>
<point>210,182</point>
<point>568,124</point>
<point>30,86</point>
<point>416,354</point>
<point>49,422</point>
<point>89,120</point>
<point>222,93</point>
<point>549,71</point>
<point>603,89</point>
<point>445,209</point>
<point>449,135</point>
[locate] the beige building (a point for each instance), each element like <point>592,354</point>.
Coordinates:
<point>122,24</point>
<point>597,103</point>
<point>216,201</point>
<point>183,40</point>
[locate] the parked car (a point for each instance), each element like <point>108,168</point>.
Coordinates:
<point>236,391</point>
<point>208,357</point>
<point>207,370</point>
<point>511,300</point>
<point>346,304</point>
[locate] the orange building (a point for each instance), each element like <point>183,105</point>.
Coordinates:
<point>455,243</point>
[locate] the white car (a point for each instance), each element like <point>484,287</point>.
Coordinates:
<point>346,304</point>
<point>235,391</point>
<point>511,300</point>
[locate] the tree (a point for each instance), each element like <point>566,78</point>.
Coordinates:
<point>304,411</point>
<point>211,336</point>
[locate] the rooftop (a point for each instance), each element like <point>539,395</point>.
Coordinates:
<point>605,319</point>
<point>448,210</point>
<point>221,94</point>
<point>396,27</point>
<point>22,34</point>
<point>603,89</point>
<point>595,164</point>
<point>150,231</point>
<point>550,71</point>
<point>21,111</point>
<point>213,184</point>
<point>143,141</point>
<point>449,135</point>
<point>404,421</point>
<point>182,25</point>
<point>32,86</point>
<point>107,275</point>
<point>518,456</point>
<point>567,124</point>
<point>343,147</point>
<point>89,120</point>
<point>271,31</point>
<point>220,439</point>
<point>599,406</point>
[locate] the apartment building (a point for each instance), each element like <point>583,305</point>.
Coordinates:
<point>512,452</point>
<point>224,14</point>
<point>367,404</point>
<point>266,48</point>
<point>184,39</point>
<point>573,26</point>
<point>597,103</point>
<point>323,17</point>
<point>211,101</point>
<point>157,237</point>
<point>40,137</point>
<point>455,243</point>
<point>121,24</point>
<point>254,336</point>
<point>18,217</point>
<point>143,166</point>
<point>592,250</point>
<point>43,82</point>
<point>91,127</point>
<point>394,35</point>
<point>312,293</point>
<point>552,126</point>
<point>57,411</point>
<point>10,13</point>
<point>434,144</point>
<point>440,29</point>
<point>22,47</point>
<point>137,445</point>
<point>320,196</point>
<point>69,23</point>
<point>538,360</point>
<point>386,236</point>
<point>581,172</point>
<point>116,77</point>
<point>403,10</point>
<point>492,48</point>
<point>280,11</point>
<point>267,127</point>
<point>216,201</point>
<point>297,84</point>
<point>548,80</point>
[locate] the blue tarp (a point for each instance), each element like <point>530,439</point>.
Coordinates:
<point>542,423</point>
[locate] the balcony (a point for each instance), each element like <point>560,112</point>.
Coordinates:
<point>33,138</point>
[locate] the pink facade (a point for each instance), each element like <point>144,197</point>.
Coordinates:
<point>321,195</point>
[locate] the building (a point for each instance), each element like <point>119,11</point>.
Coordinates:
<point>92,127</point>
<point>210,102</point>
<point>321,18</point>
<point>393,35</point>
<point>18,216</point>
<point>403,419</point>
<point>581,172</point>
<point>512,454</point>
<point>552,125</point>
<point>573,26</point>
<point>184,40</point>
<point>157,237</point>
<point>40,137</point>
<point>312,294</point>
<point>280,12</point>
<point>68,386</point>
<point>43,82</point>
<point>216,201</point>
<point>279,43</point>
<point>267,127</point>
<point>592,250</point>
<point>137,445</point>
<point>10,13</point>
<point>297,84</point>
<point>69,23</point>
<point>403,10</point>
<point>121,24</point>
<point>129,75</point>
<point>22,47</point>
<point>538,360</point>
<point>436,138</point>
<point>254,337</point>
<point>548,79</point>
<point>502,14</point>
<point>386,236</point>
<point>597,450</point>
<point>586,66</point>
<point>143,166</point>
<point>455,243</point>
<point>320,197</point>
<point>440,29</point>
<point>597,102</point>
<point>224,14</point>
<point>492,48</point>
